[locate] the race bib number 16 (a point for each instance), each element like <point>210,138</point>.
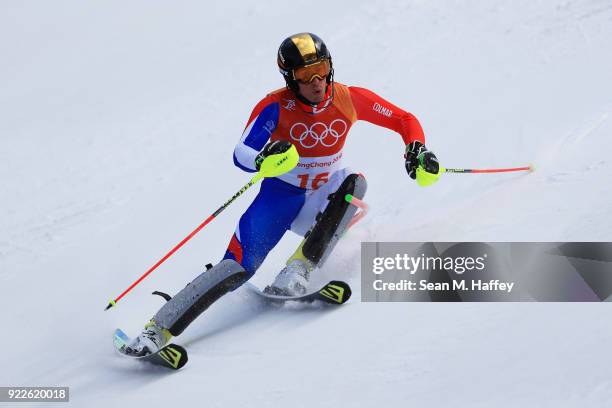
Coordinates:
<point>315,182</point>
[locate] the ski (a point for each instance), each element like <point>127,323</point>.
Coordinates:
<point>170,356</point>
<point>334,292</point>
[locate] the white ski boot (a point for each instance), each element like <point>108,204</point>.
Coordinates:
<point>292,280</point>
<point>150,340</point>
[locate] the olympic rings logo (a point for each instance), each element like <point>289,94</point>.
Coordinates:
<point>318,132</point>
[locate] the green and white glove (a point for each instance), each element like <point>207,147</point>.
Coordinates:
<point>421,164</point>
<point>418,155</point>
<point>275,147</point>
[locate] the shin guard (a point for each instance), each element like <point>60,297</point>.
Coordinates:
<point>333,222</point>
<point>198,295</point>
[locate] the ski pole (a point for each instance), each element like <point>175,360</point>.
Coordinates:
<point>525,168</point>
<point>269,168</point>
<point>425,178</point>
<point>360,205</point>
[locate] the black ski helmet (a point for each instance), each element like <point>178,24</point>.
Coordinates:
<point>299,50</point>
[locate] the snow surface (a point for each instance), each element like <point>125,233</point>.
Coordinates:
<point>117,124</point>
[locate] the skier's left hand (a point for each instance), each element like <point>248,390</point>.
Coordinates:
<point>418,155</point>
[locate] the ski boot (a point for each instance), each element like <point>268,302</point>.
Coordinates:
<point>292,280</point>
<point>149,341</point>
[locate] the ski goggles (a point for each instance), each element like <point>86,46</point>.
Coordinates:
<point>307,73</point>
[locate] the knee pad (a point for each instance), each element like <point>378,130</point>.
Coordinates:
<point>333,221</point>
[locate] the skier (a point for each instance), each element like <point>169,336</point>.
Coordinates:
<point>313,113</point>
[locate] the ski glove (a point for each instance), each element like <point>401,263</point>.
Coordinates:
<point>418,155</point>
<point>276,147</point>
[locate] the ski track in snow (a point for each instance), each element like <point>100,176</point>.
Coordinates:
<point>116,141</point>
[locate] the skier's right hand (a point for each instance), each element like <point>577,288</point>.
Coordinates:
<point>275,147</point>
